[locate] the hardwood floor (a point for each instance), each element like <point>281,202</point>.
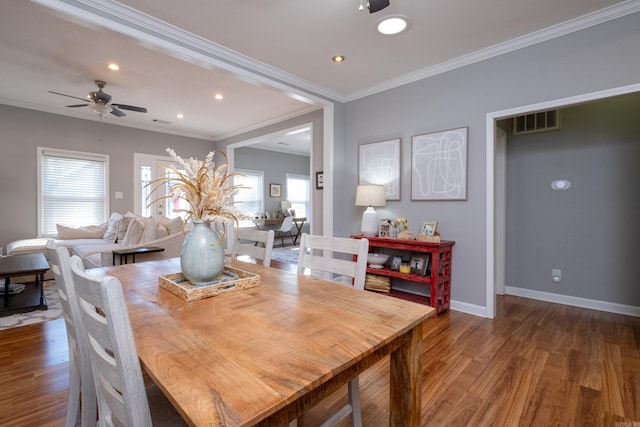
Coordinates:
<point>536,364</point>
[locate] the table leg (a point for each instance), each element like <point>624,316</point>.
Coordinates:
<point>406,381</point>
<point>7,281</point>
<point>40,282</point>
<point>297,236</point>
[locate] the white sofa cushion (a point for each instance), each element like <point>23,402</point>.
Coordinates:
<point>87,232</point>
<point>111,235</point>
<point>84,251</point>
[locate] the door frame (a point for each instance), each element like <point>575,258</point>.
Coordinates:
<point>496,205</point>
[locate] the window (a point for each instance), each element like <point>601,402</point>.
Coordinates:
<point>249,200</point>
<point>72,189</point>
<point>298,194</point>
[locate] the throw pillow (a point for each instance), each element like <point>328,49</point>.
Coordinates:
<point>111,235</point>
<point>133,234</point>
<point>145,219</point>
<point>153,231</point>
<point>87,232</point>
<point>149,231</point>
<point>123,226</point>
<point>173,225</point>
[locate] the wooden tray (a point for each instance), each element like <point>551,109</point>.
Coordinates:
<point>178,285</point>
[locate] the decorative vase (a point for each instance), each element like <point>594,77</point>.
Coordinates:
<point>202,256</point>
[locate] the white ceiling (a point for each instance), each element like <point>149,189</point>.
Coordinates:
<point>271,60</point>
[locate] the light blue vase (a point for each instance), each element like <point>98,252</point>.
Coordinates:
<point>202,256</point>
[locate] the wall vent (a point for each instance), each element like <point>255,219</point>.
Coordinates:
<point>536,122</point>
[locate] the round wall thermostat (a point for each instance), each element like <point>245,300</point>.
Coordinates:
<point>561,184</point>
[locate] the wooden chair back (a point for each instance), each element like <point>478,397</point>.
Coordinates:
<point>80,375</point>
<point>317,255</point>
<point>255,243</point>
<point>122,398</point>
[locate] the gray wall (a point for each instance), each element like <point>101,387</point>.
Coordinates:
<point>598,58</point>
<point>590,231</point>
<point>275,166</point>
<point>24,130</point>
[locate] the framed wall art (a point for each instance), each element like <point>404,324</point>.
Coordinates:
<point>439,165</point>
<point>274,190</point>
<point>379,163</point>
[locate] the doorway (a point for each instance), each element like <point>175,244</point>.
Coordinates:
<point>496,203</point>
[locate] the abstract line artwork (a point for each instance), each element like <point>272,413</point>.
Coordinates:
<point>439,165</point>
<point>379,163</point>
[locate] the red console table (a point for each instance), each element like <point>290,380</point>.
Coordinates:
<point>438,293</point>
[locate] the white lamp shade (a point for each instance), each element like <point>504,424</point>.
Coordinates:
<point>370,195</point>
<point>285,204</point>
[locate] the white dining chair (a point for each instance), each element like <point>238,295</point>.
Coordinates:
<point>255,243</point>
<point>317,255</point>
<point>285,230</point>
<point>122,397</point>
<point>82,392</point>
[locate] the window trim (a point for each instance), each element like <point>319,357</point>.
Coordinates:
<point>43,152</point>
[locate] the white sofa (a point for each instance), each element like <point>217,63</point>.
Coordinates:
<point>95,244</point>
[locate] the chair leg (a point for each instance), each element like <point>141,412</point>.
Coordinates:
<point>73,403</point>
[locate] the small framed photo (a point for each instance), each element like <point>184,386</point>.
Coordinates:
<point>419,264</point>
<point>429,228</point>
<point>319,180</point>
<point>274,190</point>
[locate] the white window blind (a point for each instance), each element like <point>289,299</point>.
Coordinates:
<point>249,200</point>
<point>298,193</point>
<point>73,189</point>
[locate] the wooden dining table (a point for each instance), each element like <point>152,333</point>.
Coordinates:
<point>265,355</point>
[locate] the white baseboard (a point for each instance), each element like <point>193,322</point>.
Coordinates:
<point>574,301</point>
<point>464,307</point>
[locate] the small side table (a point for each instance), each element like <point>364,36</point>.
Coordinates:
<point>124,253</point>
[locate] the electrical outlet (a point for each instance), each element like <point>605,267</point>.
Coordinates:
<point>556,275</point>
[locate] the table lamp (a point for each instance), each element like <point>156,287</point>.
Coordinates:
<point>285,204</point>
<point>370,195</point>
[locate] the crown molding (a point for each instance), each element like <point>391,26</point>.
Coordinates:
<point>589,20</point>
<point>187,46</point>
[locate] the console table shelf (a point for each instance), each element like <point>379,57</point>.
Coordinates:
<point>438,277</point>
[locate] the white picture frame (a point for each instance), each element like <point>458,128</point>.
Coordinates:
<point>439,165</point>
<point>379,163</point>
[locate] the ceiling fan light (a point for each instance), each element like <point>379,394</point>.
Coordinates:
<point>101,109</point>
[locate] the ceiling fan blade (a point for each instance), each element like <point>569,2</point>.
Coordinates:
<point>117,113</point>
<point>130,108</point>
<point>78,105</point>
<point>70,96</point>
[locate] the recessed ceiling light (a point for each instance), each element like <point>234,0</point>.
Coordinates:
<point>180,116</point>
<point>393,25</point>
<point>219,96</point>
<point>338,58</point>
<point>114,67</point>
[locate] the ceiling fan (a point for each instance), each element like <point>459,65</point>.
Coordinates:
<point>100,102</point>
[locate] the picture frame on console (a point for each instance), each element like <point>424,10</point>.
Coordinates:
<point>420,263</point>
